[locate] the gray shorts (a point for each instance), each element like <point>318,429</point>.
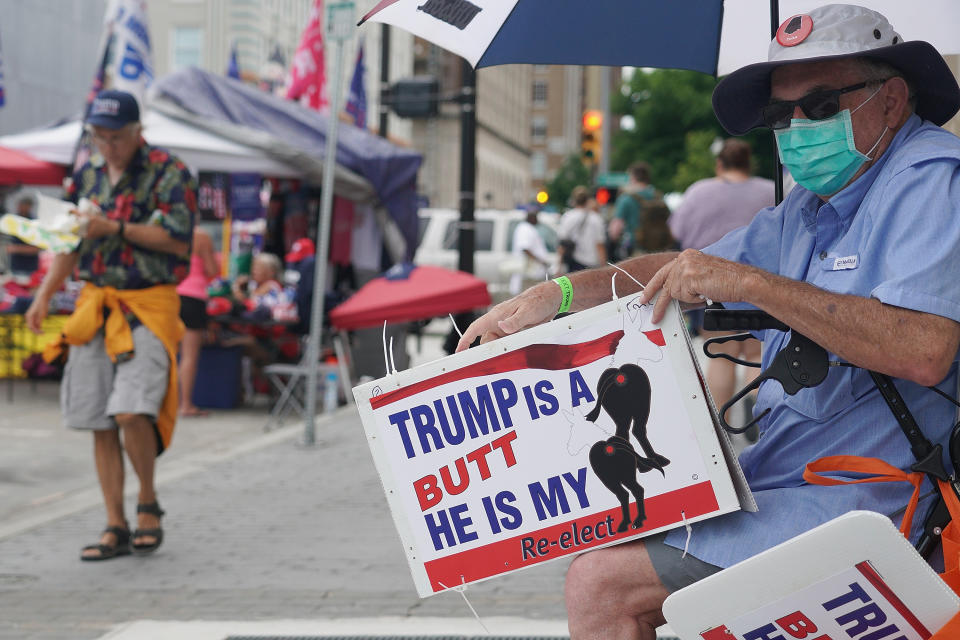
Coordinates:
<point>94,389</point>
<point>675,571</point>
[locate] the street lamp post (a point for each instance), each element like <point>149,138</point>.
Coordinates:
<point>468,165</point>
<point>339,28</point>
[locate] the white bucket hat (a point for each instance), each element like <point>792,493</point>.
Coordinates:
<point>834,32</point>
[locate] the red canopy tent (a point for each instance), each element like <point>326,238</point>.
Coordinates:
<point>427,292</point>
<point>17,167</point>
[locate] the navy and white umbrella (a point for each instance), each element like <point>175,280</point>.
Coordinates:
<point>711,36</point>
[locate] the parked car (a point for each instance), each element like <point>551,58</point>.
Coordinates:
<point>493,240</point>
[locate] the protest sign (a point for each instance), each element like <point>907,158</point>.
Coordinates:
<point>583,432</point>
<point>855,577</point>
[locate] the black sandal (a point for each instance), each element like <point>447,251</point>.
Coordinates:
<point>153,509</point>
<point>107,551</point>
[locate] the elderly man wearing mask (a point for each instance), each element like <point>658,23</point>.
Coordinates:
<point>861,258</point>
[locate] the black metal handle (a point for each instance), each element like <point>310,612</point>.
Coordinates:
<point>739,337</point>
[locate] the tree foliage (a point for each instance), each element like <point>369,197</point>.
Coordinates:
<point>675,127</point>
<point>571,174</point>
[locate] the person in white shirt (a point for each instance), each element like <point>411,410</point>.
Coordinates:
<point>582,228</point>
<point>528,244</point>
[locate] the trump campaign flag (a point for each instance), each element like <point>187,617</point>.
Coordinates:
<point>129,59</point>
<point>308,74</point>
<point>125,60</point>
<point>357,102</point>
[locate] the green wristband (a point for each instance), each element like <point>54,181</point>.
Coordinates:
<point>566,290</point>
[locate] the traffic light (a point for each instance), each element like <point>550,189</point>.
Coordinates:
<point>603,196</point>
<point>542,197</point>
<point>591,137</point>
<point>416,97</point>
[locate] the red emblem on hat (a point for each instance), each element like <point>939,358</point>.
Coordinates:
<point>794,30</point>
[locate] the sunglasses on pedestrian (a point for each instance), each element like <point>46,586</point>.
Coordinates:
<point>816,105</point>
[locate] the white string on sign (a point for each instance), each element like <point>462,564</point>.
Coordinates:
<point>686,525</point>
<point>628,275</point>
<point>393,365</point>
<point>455,327</point>
<point>462,590</point>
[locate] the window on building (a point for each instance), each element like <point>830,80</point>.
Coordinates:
<point>540,91</point>
<point>186,47</point>
<point>538,165</point>
<point>538,129</point>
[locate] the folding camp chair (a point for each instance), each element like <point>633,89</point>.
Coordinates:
<point>290,381</point>
<point>803,363</point>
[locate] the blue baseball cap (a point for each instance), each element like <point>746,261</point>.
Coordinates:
<point>113,109</point>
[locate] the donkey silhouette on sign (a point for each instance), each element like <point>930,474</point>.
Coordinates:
<point>624,393</point>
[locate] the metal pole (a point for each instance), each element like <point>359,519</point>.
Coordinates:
<point>778,168</point>
<point>384,78</point>
<point>468,165</point>
<point>323,233</point>
<point>605,127</point>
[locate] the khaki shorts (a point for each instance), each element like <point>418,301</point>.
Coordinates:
<point>94,389</point>
<point>674,570</point>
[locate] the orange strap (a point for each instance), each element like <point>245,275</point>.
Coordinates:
<point>880,472</point>
<point>949,631</point>
<point>884,472</point>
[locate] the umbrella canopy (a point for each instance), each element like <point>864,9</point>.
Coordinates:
<point>17,167</point>
<point>426,292</point>
<point>492,32</point>
<point>680,34</point>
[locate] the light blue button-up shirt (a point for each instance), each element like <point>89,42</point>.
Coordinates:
<point>893,235</point>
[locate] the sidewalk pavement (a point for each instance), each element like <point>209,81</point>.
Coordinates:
<point>263,536</point>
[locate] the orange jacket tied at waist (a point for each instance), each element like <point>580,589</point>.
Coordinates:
<point>158,308</point>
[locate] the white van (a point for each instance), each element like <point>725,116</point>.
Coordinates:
<point>493,241</point>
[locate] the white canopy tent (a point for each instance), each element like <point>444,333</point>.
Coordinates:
<point>215,148</point>
<point>199,149</point>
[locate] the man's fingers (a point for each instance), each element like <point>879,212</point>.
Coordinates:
<point>660,307</point>
<point>490,336</point>
<point>468,336</point>
<point>655,283</point>
<point>510,324</point>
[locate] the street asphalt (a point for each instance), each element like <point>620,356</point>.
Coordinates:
<point>264,537</point>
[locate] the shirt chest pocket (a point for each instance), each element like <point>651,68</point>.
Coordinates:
<point>840,390</point>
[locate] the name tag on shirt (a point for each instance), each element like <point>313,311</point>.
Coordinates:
<point>847,262</point>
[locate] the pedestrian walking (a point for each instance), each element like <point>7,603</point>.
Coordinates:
<point>120,380</point>
<point>710,209</point>
<point>582,235</point>
<point>193,312</point>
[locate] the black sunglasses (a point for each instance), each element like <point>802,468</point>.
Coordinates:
<point>817,106</point>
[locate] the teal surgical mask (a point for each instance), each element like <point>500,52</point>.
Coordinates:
<point>821,154</point>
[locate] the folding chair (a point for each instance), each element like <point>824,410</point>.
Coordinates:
<point>290,381</point>
<point>802,363</point>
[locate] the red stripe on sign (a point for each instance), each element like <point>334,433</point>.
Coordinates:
<point>522,551</point>
<point>656,337</point>
<point>871,574</point>
<point>720,633</point>
<point>534,356</point>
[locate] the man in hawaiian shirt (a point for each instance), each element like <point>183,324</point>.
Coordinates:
<point>123,335</point>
